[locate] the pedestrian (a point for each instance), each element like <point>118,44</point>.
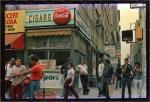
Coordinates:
<point>16,90</point>
<point>82,69</point>
<point>36,74</point>
<point>127,77</point>
<point>64,72</point>
<point>100,73</point>
<point>68,85</point>
<point>137,69</point>
<point>118,73</point>
<point>8,80</point>
<point>107,78</point>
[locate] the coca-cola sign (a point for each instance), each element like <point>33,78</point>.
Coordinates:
<point>61,16</point>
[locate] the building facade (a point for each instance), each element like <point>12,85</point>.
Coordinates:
<point>97,27</point>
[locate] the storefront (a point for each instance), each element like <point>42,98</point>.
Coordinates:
<point>14,34</point>
<point>54,36</point>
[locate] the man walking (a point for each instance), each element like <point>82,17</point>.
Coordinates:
<point>127,76</point>
<point>82,69</point>
<point>36,74</point>
<point>118,73</point>
<point>107,78</point>
<point>100,73</point>
<point>138,78</point>
<point>69,82</point>
<point>16,90</point>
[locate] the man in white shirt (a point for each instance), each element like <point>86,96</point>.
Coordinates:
<point>100,73</point>
<point>69,82</point>
<point>82,69</point>
<point>8,72</point>
<point>17,69</point>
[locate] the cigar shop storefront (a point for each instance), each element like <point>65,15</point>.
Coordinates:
<point>54,36</point>
<point>14,34</point>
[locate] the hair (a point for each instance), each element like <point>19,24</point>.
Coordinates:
<point>34,58</point>
<point>19,59</point>
<point>126,59</point>
<point>107,61</point>
<point>70,63</point>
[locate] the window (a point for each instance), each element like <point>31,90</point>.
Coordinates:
<point>59,56</point>
<point>40,54</point>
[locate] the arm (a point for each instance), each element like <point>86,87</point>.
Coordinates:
<point>25,72</point>
<point>72,80</point>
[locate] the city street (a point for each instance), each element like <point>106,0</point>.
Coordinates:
<point>49,47</point>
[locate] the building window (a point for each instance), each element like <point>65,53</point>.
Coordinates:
<point>42,55</point>
<point>59,56</point>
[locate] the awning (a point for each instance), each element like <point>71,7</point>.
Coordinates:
<point>49,32</point>
<point>14,41</point>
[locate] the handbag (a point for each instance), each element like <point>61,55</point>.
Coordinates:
<point>110,88</point>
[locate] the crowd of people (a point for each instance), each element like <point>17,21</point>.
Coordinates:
<point>106,74</point>
<point>19,87</point>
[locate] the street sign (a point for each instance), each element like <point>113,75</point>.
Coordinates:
<point>110,50</point>
<point>137,5</point>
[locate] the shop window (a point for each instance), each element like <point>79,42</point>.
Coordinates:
<point>59,56</point>
<point>37,42</point>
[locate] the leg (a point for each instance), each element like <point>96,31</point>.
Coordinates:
<point>86,84</point>
<point>31,89</point>
<point>129,83</point>
<point>13,92</point>
<point>117,83</point>
<point>83,84</point>
<point>66,90</point>
<point>123,86</point>
<point>19,91</point>
<point>107,87</point>
<point>74,92</point>
<point>104,87</point>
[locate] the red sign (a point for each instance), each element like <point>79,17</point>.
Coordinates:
<point>62,16</point>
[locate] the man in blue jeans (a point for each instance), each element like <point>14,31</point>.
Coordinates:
<point>36,74</point>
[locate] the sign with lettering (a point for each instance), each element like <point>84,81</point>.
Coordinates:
<point>62,16</point>
<point>52,80</point>
<point>14,21</point>
<point>47,17</point>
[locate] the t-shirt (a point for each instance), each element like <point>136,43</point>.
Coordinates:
<point>82,69</point>
<point>36,72</point>
<point>8,69</point>
<point>128,72</point>
<point>70,73</point>
<point>100,69</point>
<point>108,71</point>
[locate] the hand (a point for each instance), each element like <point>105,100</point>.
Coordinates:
<point>111,82</point>
<point>70,84</point>
<point>19,74</point>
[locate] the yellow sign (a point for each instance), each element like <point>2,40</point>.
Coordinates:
<point>14,21</point>
<point>138,33</point>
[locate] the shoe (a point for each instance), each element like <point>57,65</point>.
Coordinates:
<point>87,92</point>
<point>77,97</point>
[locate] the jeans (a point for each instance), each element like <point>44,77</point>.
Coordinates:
<point>34,87</point>
<point>127,81</point>
<point>138,86</point>
<point>67,88</point>
<point>26,92</point>
<point>85,82</point>
<point>106,82</point>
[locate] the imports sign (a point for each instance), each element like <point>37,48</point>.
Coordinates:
<point>51,80</point>
<point>110,50</point>
<point>45,17</point>
<point>14,21</point>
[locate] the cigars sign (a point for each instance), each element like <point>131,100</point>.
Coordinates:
<point>14,21</point>
<point>60,16</point>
